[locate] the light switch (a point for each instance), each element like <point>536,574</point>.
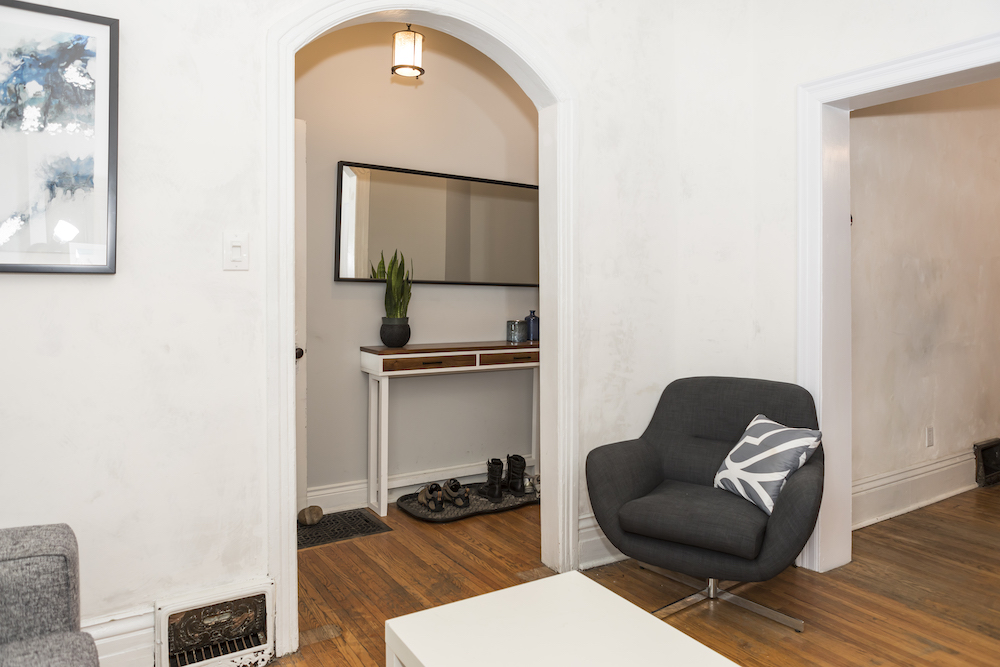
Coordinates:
<point>236,251</point>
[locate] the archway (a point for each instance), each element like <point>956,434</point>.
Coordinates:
<point>528,65</point>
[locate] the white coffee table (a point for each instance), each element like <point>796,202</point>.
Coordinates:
<point>566,619</point>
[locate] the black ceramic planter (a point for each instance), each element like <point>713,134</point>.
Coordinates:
<point>395,331</point>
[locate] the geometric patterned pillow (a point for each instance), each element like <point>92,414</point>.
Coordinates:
<point>765,456</point>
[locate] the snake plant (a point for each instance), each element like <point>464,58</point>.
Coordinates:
<point>397,284</point>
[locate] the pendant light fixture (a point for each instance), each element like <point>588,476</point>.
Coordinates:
<point>407,48</point>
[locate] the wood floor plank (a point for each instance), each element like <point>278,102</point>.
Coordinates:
<point>919,592</point>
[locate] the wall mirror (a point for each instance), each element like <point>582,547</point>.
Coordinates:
<point>452,229</point>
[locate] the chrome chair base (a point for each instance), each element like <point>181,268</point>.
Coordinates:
<point>713,591</point>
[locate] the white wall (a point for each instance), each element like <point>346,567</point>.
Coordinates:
<point>132,405</point>
<point>925,272</point>
<point>465,116</point>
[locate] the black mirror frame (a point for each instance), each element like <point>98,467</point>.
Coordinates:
<point>340,186</point>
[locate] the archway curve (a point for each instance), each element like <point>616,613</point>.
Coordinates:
<point>531,67</point>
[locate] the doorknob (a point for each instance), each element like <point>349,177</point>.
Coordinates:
<point>299,352</point>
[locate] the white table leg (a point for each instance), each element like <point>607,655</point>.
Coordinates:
<point>373,442</point>
<point>535,394</point>
<point>383,446</point>
<point>391,659</point>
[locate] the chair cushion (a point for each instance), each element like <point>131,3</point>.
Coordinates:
<point>697,515</point>
<point>759,464</point>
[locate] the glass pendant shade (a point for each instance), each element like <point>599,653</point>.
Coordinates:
<point>407,47</point>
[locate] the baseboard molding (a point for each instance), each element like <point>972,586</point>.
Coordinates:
<point>338,497</point>
<point>352,495</point>
<point>123,640</point>
<point>886,495</point>
<point>595,549</point>
<point>128,638</point>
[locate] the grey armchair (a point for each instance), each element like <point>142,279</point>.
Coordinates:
<point>40,599</point>
<point>655,501</point>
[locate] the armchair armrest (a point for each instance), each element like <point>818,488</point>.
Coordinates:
<point>794,517</point>
<point>39,582</point>
<point>616,474</point>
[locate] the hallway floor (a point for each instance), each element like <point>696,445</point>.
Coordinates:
<point>920,591</point>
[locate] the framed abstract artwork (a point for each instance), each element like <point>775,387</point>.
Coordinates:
<point>58,140</point>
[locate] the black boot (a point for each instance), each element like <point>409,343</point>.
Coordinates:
<point>490,489</point>
<point>514,478</point>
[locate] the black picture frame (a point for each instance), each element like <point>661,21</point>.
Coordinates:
<point>54,110</point>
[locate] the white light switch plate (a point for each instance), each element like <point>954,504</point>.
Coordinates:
<point>236,251</point>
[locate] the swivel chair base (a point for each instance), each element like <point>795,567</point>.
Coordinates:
<point>714,592</point>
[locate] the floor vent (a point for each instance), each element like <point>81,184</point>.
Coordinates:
<point>220,629</point>
<point>987,462</point>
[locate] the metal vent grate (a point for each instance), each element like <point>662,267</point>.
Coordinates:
<point>194,656</point>
<point>216,630</point>
<point>987,462</point>
<point>340,526</point>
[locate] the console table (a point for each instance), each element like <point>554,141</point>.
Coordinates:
<point>382,363</point>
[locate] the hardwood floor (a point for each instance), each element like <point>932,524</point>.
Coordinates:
<point>922,590</point>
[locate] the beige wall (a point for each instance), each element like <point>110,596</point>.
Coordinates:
<point>457,260</point>
<point>465,116</point>
<point>407,212</point>
<point>501,218</point>
<point>134,406</point>
<point>925,196</point>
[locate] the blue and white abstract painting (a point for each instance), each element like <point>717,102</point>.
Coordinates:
<point>53,150</point>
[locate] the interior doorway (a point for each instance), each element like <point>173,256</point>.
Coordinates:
<point>377,144</point>
<point>824,313</point>
<point>530,68</point>
<point>923,202</point>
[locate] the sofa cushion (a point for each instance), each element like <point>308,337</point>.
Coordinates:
<point>72,649</point>
<point>763,459</point>
<point>697,515</point>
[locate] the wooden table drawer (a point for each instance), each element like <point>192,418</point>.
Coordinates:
<point>509,358</point>
<point>423,363</point>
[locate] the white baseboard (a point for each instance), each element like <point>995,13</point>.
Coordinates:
<point>886,495</point>
<point>128,638</point>
<point>338,497</point>
<point>595,549</point>
<point>123,640</point>
<point>352,495</point>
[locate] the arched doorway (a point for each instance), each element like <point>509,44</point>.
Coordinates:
<point>528,65</point>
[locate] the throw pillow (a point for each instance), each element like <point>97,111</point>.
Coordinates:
<point>762,460</point>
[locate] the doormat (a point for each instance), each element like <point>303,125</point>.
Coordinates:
<point>477,505</point>
<point>340,526</point>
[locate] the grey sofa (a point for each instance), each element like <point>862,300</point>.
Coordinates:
<point>654,496</point>
<point>40,599</point>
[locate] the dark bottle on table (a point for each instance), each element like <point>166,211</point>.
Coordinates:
<point>532,321</point>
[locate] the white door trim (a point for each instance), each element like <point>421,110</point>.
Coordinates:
<point>824,303</point>
<point>524,57</point>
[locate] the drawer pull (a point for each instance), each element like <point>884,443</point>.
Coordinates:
<point>431,363</point>
<point>526,356</point>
